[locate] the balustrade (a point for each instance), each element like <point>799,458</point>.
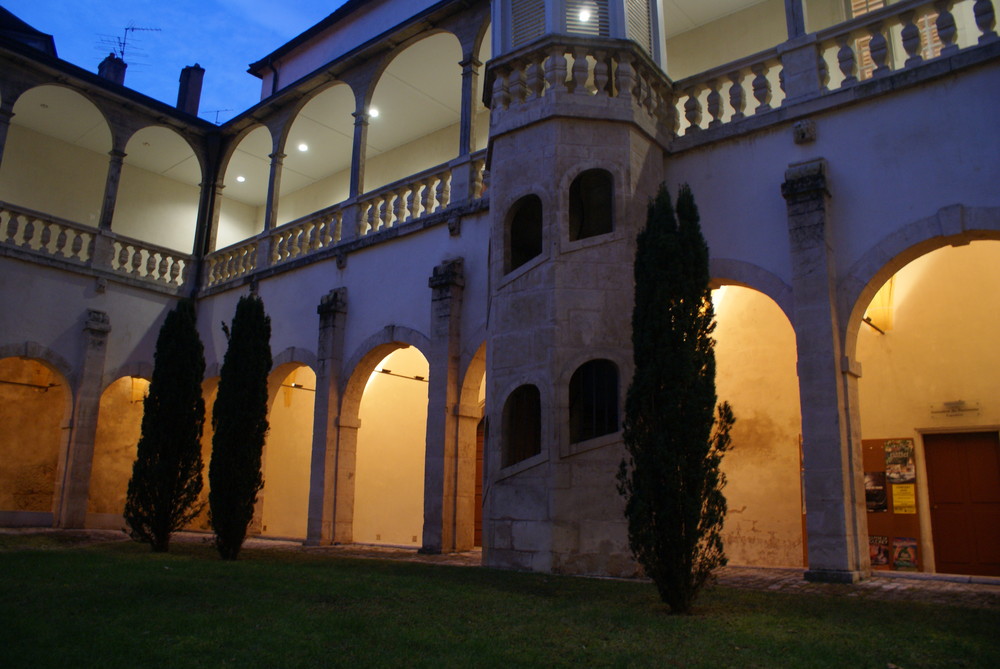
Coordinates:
<point>405,201</point>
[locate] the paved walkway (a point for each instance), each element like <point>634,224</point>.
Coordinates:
<point>978,592</point>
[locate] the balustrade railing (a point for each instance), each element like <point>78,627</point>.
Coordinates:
<point>405,201</point>
<point>44,236</point>
<point>306,235</point>
<point>900,36</point>
<point>728,93</point>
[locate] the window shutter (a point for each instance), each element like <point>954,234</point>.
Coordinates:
<point>527,21</point>
<point>639,23</point>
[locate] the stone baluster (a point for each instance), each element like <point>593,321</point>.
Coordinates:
<point>384,212</point>
<point>400,210</point>
<point>823,70</point>
<point>602,73</point>
<point>692,110</point>
<point>27,232</point>
<point>986,20</point>
<point>714,103</point>
<point>555,70</point>
<point>625,76</point>
<point>761,87</point>
<point>175,273</point>
<point>878,47</point>
<point>910,36</point>
<point>368,220</point>
<point>533,81</point>
<point>427,197</point>
<point>338,228</point>
<point>61,240</point>
<point>294,248</point>
<point>136,261</point>
<point>947,32</point>
<point>442,192</point>
<point>501,96</point>
<point>477,179</point>
<point>515,83</point>
<point>847,60</point>
<point>45,237</point>
<point>165,262</point>
<point>151,265</point>
<point>580,67</point>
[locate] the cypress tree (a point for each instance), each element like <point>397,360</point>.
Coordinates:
<point>239,419</point>
<point>674,434</point>
<point>166,476</point>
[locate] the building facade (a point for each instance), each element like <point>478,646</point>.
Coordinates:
<point>438,203</point>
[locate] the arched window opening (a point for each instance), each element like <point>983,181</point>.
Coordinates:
<point>591,204</point>
<point>522,426</point>
<point>593,400</point>
<point>524,231</point>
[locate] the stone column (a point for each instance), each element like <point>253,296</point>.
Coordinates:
<point>834,502</point>
<point>6,114</point>
<point>467,129</point>
<point>323,483</point>
<point>73,475</point>
<point>111,188</point>
<point>358,152</point>
<point>795,18</point>
<point>270,209</point>
<point>442,467</point>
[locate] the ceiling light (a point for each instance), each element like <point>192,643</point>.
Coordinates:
<point>303,147</point>
<point>373,112</point>
<point>584,15</point>
<point>241,178</point>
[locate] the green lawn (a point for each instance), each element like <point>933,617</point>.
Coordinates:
<point>118,605</point>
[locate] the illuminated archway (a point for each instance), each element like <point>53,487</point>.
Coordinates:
<point>244,197</point>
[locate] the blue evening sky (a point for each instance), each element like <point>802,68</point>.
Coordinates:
<point>223,36</point>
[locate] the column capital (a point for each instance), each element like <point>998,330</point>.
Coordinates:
<point>98,322</point>
<point>470,64</point>
<point>447,274</point>
<point>361,118</point>
<point>806,179</point>
<point>333,302</point>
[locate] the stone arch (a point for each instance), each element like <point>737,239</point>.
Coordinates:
<point>471,443</point>
<point>36,409</point>
<point>160,190</point>
<point>292,355</point>
<point>729,271</point>
<point>756,349</point>
<point>548,409</point>
<point>401,143</point>
<point>318,142</point>
<point>243,203</point>
<point>58,131</point>
<point>954,225</point>
<point>373,512</point>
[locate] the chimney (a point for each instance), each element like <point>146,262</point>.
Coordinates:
<point>112,68</point>
<point>189,91</point>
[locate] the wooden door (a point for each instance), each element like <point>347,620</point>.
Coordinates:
<point>963,482</point>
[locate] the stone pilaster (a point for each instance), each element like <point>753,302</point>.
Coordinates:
<point>834,539</point>
<point>73,475</point>
<point>443,467</point>
<point>323,481</point>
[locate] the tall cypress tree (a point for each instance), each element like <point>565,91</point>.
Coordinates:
<point>674,434</point>
<point>166,476</point>
<point>240,422</point>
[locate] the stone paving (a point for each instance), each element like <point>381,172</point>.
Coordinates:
<point>954,590</point>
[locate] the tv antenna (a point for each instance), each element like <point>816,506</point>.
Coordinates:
<point>216,112</point>
<point>120,44</point>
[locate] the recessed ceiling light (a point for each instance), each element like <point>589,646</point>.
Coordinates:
<point>373,112</point>
<point>303,147</point>
<point>241,178</point>
<point>584,15</point>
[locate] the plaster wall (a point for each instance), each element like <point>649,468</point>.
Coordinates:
<point>754,351</point>
<point>237,221</point>
<point>156,209</point>
<point>389,488</point>
<point>758,27</point>
<point>52,176</point>
<point>326,192</point>
<point>119,426</point>
<point>434,149</point>
<point>33,421</point>
<point>287,452</point>
<point>368,21</point>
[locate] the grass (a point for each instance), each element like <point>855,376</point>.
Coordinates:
<point>118,605</point>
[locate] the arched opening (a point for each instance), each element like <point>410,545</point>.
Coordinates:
<point>33,405</point>
<point>593,400</point>
<point>523,232</point>
<point>930,449</point>
<point>591,204</point>
<point>522,426</point>
<point>159,190</point>
<point>56,156</point>
<point>756,373</point>
<point>415,111</point>
<point>317,169</point>
<point>244,198</point>
<point>389,480</point>
<point>471,440</point>
<point>480,111</point>
<point>283,503</point>
<point>119,426</point>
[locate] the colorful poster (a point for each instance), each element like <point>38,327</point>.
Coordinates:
<point>878,551</point>
<point>904,554</point>
<point>904,498</point>
<point>899,464</point>
<point>875,496</point>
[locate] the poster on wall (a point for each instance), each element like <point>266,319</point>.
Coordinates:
<point>904,553</point>
<point>878,551</point>
<point>904,498</point>
<point>875,497</point>
<point>899,464</point>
